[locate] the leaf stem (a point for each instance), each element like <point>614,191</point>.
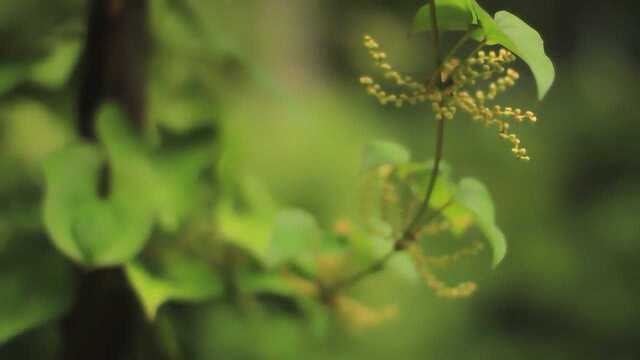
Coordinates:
<point>436,33</point>
<point>424,208</point>
<point>377,266</point>
<point>409,232</point>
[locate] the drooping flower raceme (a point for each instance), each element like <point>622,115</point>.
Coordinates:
<point>462,90</point>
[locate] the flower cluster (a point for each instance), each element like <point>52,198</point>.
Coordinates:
<point>387,196</point>
<point>449,260</point>
<point>462,92</point>
<point>358,316</point>
<point>459,291</point>
<point>415,91</point>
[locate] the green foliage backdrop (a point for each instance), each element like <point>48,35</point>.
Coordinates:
<point>266,174</point>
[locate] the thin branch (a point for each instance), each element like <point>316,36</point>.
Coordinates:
<point>377,266</point>
<point>436,75</point>
<point>436,33</point>
<point>424,208</point>
<point>381,263</point>
<point>409,233</point>
<point>463,40</point>
<point>438,212</point>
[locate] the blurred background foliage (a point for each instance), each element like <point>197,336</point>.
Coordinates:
<point>278,81</point>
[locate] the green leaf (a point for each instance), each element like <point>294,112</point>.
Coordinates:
<point>385,153</point>
<point>391,199</point>
<point>169,179</point>
<point>453,15</point>
<point>36,285</point>
<point>274,237</point>
<point>474,196</point>
<point>488,27</point>
<point>247,222</point>
<point>146,184</point>
<point>32,131</point>
<point>527,43</point>
<point>295,237</point>
<point>244,229</point>
<point>180,187</point>
<point>53,71</point>
<point>418,176</point>
<point>514,34</point>
<point>459,217</point>
<point>175,278</point>
<point>89,229</point>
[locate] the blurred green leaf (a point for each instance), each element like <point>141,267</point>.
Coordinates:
<point>35,286</point>
<point>389,200</point>
<point>295,237</point>
<point>474,195</point>
<point>180,188</point>
<point>169,179</point>
<point>175,278</point>
<point>31,130</point>
<point>245,229</point>
<point>54,70</point>
<point>247,222</point>
<point>252,221</point>
<point>84,226</point>
<point>385,153</point>
<point>418,175</point>
<point>460,218</point>
<point>145,184</point>
<point>401,263</point>
<point>452,15</point>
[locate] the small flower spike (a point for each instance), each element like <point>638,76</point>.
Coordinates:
<point>459,291</point>
<point>415,91</point>
<point>461,93</point>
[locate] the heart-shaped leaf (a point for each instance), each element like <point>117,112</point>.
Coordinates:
<point>53,71</point>
<point>145,184</point>
<point>452,15</point>
<point>174,278</point>
<point>295,238</point>
<point>514,34</point>
<point>474,196</point>
<point>526,42</point>
<point>246,220</point>
<point>92,230</point>
<point>385,153</point>
<point>504,29</point>
<point>168,178</point>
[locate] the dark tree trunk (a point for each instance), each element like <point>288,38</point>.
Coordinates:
<point>102,322</point>
<point>114,61</point>
<point>106,321</point>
